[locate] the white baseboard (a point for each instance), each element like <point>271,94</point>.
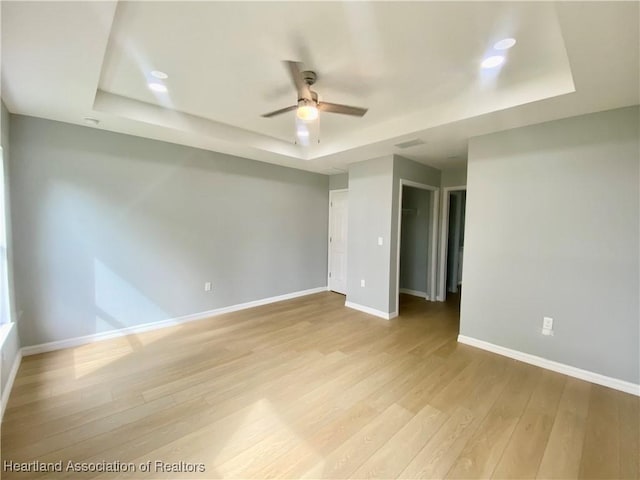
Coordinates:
<point>371,311</point>
<point>415,293</point>
<point>9,385</point>
<point>592,377</point>
<point>97,337</point>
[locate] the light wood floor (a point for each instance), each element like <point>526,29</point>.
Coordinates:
<point>309,388</point>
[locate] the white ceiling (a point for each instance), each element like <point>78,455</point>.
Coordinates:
<point>415,65</point>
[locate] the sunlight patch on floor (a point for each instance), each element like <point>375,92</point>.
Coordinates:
<point>266,437</point>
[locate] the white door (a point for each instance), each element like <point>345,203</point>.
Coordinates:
<point>338,241</point>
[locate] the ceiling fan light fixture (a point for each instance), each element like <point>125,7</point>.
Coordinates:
<point>307,112</point>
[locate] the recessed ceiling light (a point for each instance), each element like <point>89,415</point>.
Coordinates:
<point>91,121</point>
<point>492,62</point>
<point>160,75</point>
<point>157,87</point>
<point>504,44</point>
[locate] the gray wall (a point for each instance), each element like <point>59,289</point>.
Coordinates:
<point>370,188</point>
<point>11,345</point>
<point>339,181</point>
<point>552,229</point>
<point>454,177</point>
<point>404,169</point>
<point>414,241</point>
<point>112,230</point>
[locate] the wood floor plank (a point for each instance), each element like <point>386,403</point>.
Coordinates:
<point>42,446</point>
<point>312,448</point>
<point>57,426</point>
<point>629,422</point>
<point>484,449</point>
<point>429,386</point>
<point>601,451</point>
<point>564,449</point>
<point>526,447</point>
<point>435,459</point>
<point>404,382</point>
<point>347,457</point>
<point>393,457</point>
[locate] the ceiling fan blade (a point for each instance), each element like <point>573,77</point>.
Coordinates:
<point>278,112</point>
<point>295,71</point>
<point>343,109</point>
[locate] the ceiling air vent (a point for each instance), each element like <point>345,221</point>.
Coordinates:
<point>410,143</point>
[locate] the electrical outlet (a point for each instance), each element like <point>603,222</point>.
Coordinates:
<point>207,286</point>
<point>362,282</point>
<point>547,326</point>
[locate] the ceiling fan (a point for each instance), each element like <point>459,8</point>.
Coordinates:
<point>308,105</point>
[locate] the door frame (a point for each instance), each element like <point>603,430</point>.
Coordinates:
<point>433,255</point>
<point>444,240</point>
<point>331,192</point>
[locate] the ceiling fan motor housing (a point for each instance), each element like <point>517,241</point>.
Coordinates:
<point>306,101</point>
<point>305,95</point>
<point>309,77</point>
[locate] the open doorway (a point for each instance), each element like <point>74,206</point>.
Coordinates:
<point>452,241</point>
<point>417,242</point>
